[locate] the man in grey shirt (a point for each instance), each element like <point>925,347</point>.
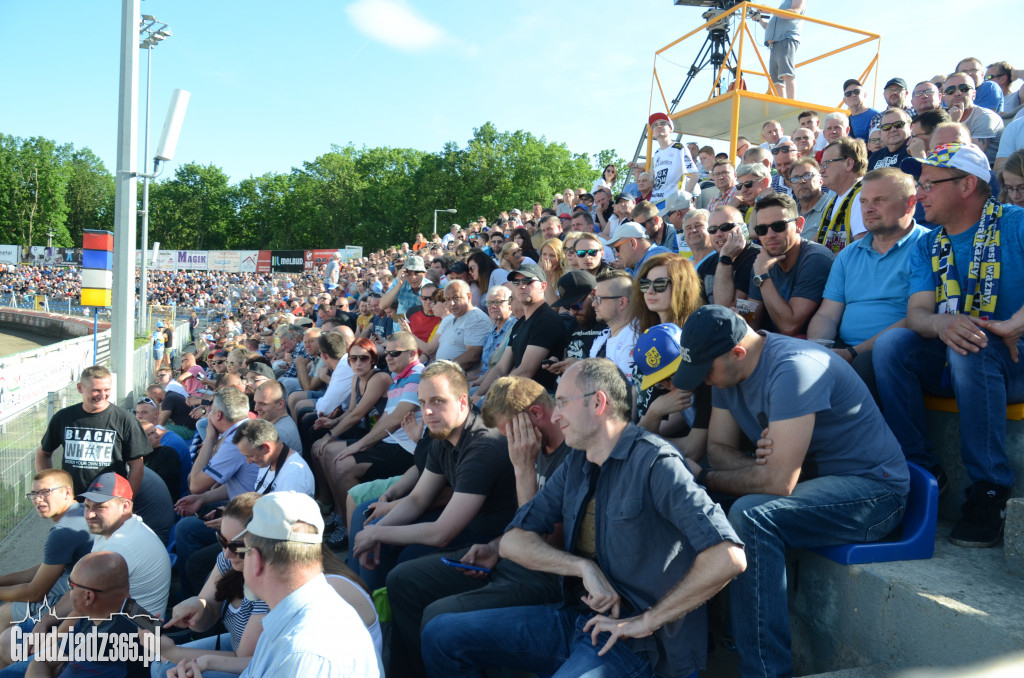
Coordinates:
<point>827,469</point>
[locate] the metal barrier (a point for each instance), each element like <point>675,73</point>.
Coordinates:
<point>20,436</point>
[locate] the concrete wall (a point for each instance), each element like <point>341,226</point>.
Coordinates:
<point>48,324</point>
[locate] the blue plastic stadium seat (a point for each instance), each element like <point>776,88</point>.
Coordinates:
<point>918,539</point>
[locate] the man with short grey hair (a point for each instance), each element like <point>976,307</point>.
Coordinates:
<point>282,468</point>
<point>499,310</point>
<point>269,400</point>
<point>752,181</point>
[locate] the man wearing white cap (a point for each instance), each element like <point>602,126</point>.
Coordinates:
<point>633,246</point>
<point>965,318</point>
<point>309,631</point>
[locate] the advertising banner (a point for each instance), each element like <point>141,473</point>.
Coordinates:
<point>223,260</point>
<point>263,261</point>
<point>192,260</point>
<point>166,260</point>
<point>247,261</point>
<point>287,261</point>
<point>27,377</point>
<point>9,254</point>
<point>315,258</point>
<point>38,255</point>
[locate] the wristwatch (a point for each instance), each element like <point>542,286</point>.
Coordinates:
<point>725,260</point>
<point>759,279</point>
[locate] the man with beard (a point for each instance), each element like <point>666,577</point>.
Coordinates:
<point>811,195</point>
<point>575,290</point>
<point>466,458</point>
<point>790,272</point>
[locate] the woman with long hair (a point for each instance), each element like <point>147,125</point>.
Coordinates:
<point>512,257</point>
<point>667,290</point>
<point>236,361</point>
<point>1011,177</point>
<point>607,180</point>
<point>552,262</point>
<point>483,275</point>
<point>521,236</point>
<point>366,405</point>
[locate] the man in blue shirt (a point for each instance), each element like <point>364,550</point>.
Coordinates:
<point>963,332</point>
<point>631,243</point>
<point>637,585</point>
<point>869,282</point>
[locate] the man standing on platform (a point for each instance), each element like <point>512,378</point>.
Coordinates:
<point>782,37</point>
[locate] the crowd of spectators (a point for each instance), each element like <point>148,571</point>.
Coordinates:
<point>515,426</point>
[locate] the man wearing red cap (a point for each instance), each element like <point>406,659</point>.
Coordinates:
<point>671,162</point>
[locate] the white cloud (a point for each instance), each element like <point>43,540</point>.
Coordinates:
<point>394,23</point>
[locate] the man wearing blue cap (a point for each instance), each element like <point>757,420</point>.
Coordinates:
<point>965,318</point>
<point>827,470</point>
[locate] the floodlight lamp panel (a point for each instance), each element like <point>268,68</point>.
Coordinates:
<point>172,125</point>
<point>148,17</point>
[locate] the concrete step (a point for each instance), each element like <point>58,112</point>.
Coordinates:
<point>961,607</point>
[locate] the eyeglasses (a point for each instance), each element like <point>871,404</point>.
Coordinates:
<point>748,184</point>
<point>356,358</point>
<point>659,284</point>
<point>235,547</point>
<point>997,75</point>
<point>782,149</point>
<point>497,303</point>
<point>598,299</point>
<point>802,178</point>
<point>524,282</point>
<point>927,186</point>
<point>922,92</point>
<point>587,253</point>
<point>851,93</point>
<point>395,354</point>
<point>217,362</point>
<point>826,163</point>
<point>720,174</point>
<point>560,403</point>
<point>46,493</point>
<point>1014,190</point>
<point>963,87</point>
<point>777,226</point>
<point>75,585</point>
<point>728,226</point>
<point>145,401</point>
<point>899,124</point>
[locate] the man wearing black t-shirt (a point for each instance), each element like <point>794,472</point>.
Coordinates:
<point>540,333</point>
<point>97,436</point>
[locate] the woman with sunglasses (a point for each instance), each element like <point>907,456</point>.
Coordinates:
<point>569,249</point>
<point>483,275</point>
<point>512,257</point>
<point>521,236</point>
<point>607,180</point>
<point>368,400</point>
<point>590,254</point>
<point>1011,177</point>
<point>552,262</point>
<point>667,291</point>
<point>236,361</point>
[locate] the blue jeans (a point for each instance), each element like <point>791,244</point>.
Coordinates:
<point>982,383</point>
<point>545,639</point>
<point>824,511</point>
<point>191,535</point>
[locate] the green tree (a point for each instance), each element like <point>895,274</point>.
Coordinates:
<point>194,210</point>
<point>33,184</point>
<point>90,194</point>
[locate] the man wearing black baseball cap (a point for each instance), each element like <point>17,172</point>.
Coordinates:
<point>540,333</point>
<point>827,469</point>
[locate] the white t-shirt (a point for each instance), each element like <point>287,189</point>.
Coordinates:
<point>295,477</point>
<point>339,389</point>
<point>458,334</point>
<point>669,169</point>
<point>618,349</point>
<point>149,566</point>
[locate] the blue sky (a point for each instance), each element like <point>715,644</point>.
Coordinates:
<point>275,83</point>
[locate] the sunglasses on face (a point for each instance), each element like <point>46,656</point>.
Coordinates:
<point>747,184</point>
<point>395,354</point>
<point>587,253</point>
<point>353,358</point>
<point>963,87</point>
<point>216,362</point>
<point>232,546</point>
<point>922,92</point>
<point>782,149</point>
<point>899,124</point>
<point>722,227</point>
<point>659,284</point>
<point>76,585</point>
<point>777,226</point>
<point>851,93</point>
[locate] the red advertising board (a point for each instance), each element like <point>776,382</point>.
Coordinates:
<point>263,262</point>
<point>316,258</point>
